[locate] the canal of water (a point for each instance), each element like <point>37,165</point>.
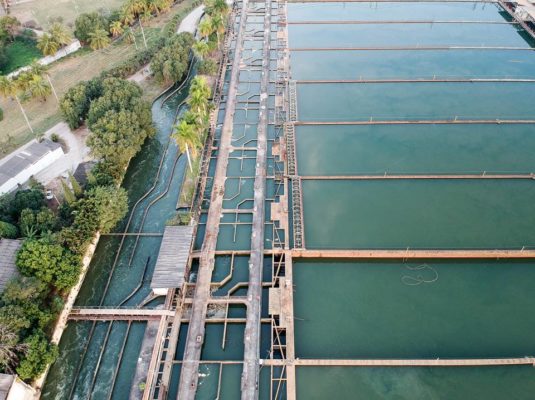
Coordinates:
<point>89,365</point>
<point>413,309</point>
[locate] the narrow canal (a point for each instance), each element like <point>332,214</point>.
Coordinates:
<point>98,360</point>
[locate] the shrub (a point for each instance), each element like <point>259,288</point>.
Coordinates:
<point>88,23</point>
<point>49,262</point>
<point>40,353</point>
<point>8,231</point>
<point>207,67</point>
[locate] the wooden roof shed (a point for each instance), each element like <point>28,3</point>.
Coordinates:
<point>172,259</point>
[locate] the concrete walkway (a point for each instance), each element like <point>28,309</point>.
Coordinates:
<point>190,22</point>
<point>75,153</point>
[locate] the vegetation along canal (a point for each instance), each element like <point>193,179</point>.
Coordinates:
<point>97,363</point>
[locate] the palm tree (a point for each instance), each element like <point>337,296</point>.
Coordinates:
<point>130,36</point>
<point>218,26</point>
<point>9,88</point>
<point>206,28</point>
<point>47,44</point>
<point>164,5</point>
<point>214,7</point>
<point>60,34</point>
<point>201,49</point>
<point>198,98</point>
<point>144,17</point>
<point>187,140</point>
<point>116,28</point>
<point>127,15</point>
<point>98,39</point>
<point>38,87</point>
<point>9,347</point>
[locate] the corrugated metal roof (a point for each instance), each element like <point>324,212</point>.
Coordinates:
<point>5,384</point>
<point>8,255</point>
<point>173,257</point>
<point>27,157</point>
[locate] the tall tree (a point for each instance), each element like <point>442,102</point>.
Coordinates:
<point>206,27</point>
<point>37,86</point>
<point>47,44</point>
<point>187,139</point>
<point>10,89</point>
<point>116,28</point>
<point>9,348</point>
<point>218,26</point>
<point>60,34</point>
<point>201,49</point>
<point>99,39</point>
<point>214,7</point>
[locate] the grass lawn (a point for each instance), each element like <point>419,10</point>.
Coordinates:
<point>65,73</point>
<point>19,54</point>
<point>44,12</point>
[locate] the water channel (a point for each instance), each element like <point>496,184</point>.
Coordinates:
<point>120,272</point>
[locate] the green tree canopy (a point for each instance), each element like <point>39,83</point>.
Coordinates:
<point>39,354</point>
<point>8,231</point>
<point>34,223</point>
<point>110,205</point>
<point>116,94</point>
<point>49,262</point>
<point>88,23</point>
<point>117,136</point>
<point>75,103</point>
<point>170,64</point>
<point>12,204</point>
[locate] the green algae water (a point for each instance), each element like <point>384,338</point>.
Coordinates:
<point>411,213</point>
<point>418,149</point>
<point>415,101</point>
<point>489,383</point>
<point>407,309</point>
<point>414,309</point>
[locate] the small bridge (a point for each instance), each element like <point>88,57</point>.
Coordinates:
<point>118,314</point>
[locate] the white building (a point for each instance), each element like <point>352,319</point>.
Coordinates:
<point>12,388</point>
<point>32,158</point>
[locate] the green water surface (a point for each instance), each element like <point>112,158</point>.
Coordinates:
<point>419,213</point>
<point>417,149</point>
<point>414,309</point>
<point>489,383</point>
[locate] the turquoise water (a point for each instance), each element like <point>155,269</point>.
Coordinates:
<point>354,102</point>
<point>421,308</point>
<point>375,149</point>
<point>343,383</point>
<point>381,11</point>
<point>419,214</point>
<point>389,309</point>
<point>392,64</point>
<point>396,35</point>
